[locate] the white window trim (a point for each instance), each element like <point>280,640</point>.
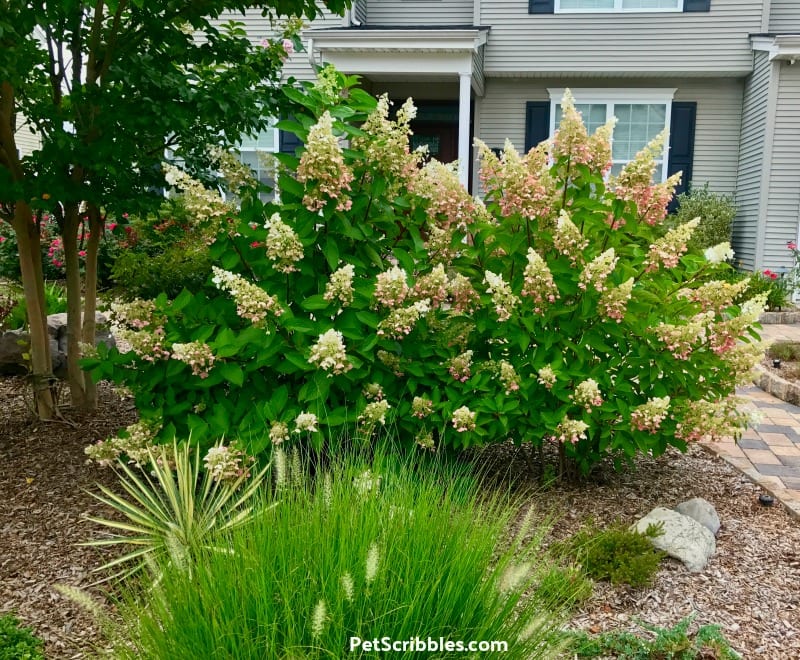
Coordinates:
<point>618,9</point>
<point>276,147</point>
<point>610,97</point>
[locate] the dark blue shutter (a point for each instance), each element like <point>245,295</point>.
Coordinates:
<point>696,5</point>
<point>537,123</point>
<point>681,145</point>
<point>288,142</point>
<point>541,6</point>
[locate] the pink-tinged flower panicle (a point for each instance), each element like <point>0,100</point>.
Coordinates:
<point>667,250</point>
<point>648,416</point>
<point>460,367</point>
<point>716,294</point>
<point>329,353</point>
<point>432,286</point>
<point>373,392</point>
<point>568,240</point>
<point>421,407</point>
<point>570,430</point>
<point>520,184</point>
<point>283,245</point>
<point>463,296</point>
<point>597,271</point>
<point>635,183</point>
<point>252,302</point>
<point>508,377</point>
<point>391,287</point>
<point>449,204</point>
<point>546,377</point>
<point>463,420</point>
<point>614,301</point>
<point>681,340</point>
<point>504,299</point>
<point>711,421</point>
<point>322,168</point>
<point>401,321</point>
<point>587,394</point>
<point>374,413</point>
<point>538,282</point>
<point>197,355</point>
<point>340,285</point>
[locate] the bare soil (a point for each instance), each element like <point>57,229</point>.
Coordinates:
<point>749,586</point>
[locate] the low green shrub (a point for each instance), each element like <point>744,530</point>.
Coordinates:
<point>18,642</point>
<point>367,549</point>
<point>785,350</point>
<point>674,643</point>
<point>164,253</point>
<point>716,213</point>
<point>616,553</point>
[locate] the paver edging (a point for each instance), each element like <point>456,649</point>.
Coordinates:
<point>776,386</point>
<point>783,495</point>
<point>780,318</point>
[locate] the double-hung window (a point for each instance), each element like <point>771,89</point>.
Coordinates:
<point>255,152</point>
<point>641,115</point>
<point>563,6</point>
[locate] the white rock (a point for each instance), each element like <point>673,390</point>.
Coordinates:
<point>684,538</point>
<point>702,511</point>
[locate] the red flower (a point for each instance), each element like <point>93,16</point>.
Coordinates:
<point>255,244</point>
<point>770,274</point>
<point>2,238</point>
<point>791,245</point>
<point>82,253</point>
<point>112,226</point>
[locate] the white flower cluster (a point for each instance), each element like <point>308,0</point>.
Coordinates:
<point>329,353</point>
<point>225,463</point>
<point>375,413</point>
<point>197,355</point>
<point>340,285</point>
<point>283,245</point>
<point>135,445</point>
<point>252,302</point>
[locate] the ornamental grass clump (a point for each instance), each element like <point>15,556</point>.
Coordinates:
<point>370,549</point>
<point>556,310</point>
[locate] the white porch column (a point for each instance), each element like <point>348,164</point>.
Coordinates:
<point>464,151</point>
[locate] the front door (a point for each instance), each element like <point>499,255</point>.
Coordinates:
<point>441,138</point>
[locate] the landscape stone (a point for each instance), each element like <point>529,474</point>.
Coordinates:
<point>702,511</point>
<point>683,537</point>
<point>14,343</point>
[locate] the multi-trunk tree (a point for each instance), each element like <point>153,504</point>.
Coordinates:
<point>109,88</point>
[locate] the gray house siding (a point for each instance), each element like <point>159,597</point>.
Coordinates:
<point>421,12</point>
<point>719,103</point>
<point>26,140</point>
<point>631,44</point>
<point>784,16</point>
<point>783,206</point>
<point>751,162</point>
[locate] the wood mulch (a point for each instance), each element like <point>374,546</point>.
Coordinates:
<point>749,586</point>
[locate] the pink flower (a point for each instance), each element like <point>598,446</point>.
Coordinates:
<point>791,245</point>
<point>2,239</point>
<point>288,46</point>
<point>82,253</point>
<point>770,274</point>
<point>125,215</point>
<point>112,226</point>
<point>255,244</point>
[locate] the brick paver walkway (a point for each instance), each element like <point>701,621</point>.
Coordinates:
<point>770,453</point>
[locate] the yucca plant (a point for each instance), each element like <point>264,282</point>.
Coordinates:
<point>172,510</point>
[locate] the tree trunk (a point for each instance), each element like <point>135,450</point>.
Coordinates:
<point>90,302</point>
<point>77,389</point>
<point>30,262</point>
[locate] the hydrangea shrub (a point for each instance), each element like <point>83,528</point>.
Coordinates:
<point>379,291</point>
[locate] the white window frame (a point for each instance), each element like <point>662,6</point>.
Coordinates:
<point>276,147</point>
<point>611,97</point>
<point>617,8</point>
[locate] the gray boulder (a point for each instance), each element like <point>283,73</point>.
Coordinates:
<point>702,511</point>
<point>15,343</point>
<point>684,538</point>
